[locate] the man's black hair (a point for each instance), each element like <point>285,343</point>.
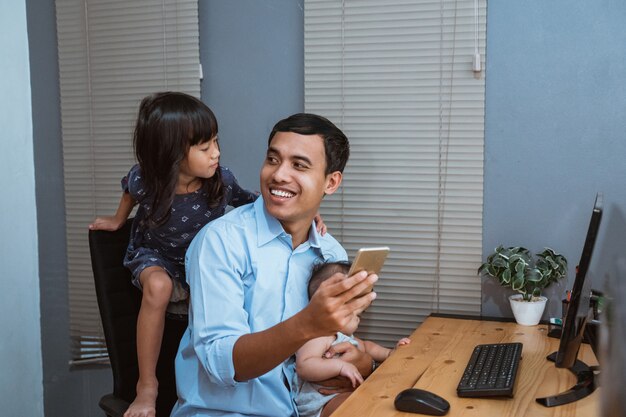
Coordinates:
<point>336,145</point>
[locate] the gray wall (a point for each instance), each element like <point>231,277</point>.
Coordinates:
<point>21,391</point>
<point>555,126</point>
<point>67,392</point>
<point>252,53</point>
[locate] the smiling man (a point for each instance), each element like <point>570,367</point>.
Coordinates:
<point>248,274</point>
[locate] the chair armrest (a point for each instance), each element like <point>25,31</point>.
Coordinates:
<point>113,406</point>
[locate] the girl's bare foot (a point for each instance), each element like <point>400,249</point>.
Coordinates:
<point>145,401</point>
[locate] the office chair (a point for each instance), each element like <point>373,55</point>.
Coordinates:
<point>119,301</point>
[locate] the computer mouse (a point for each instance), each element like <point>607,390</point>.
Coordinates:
<point>415,400</point>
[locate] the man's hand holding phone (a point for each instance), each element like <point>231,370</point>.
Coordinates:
<point>335,302</point>
<point>370,260</point>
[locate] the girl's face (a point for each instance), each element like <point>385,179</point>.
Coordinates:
<point>202,160</point>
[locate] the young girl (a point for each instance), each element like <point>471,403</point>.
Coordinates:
<point>313,363</point>
<point>180,187</point>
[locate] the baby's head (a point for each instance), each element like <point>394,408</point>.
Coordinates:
<point>322,272</point>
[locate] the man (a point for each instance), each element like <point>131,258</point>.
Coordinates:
<point>248,274</point>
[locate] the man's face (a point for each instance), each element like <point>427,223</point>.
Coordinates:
<point>293,179</point>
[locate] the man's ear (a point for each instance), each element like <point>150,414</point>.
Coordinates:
<point>333,181</point>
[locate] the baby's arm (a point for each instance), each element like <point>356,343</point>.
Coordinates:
<point>112,223</point>
<point>380,353</point>
<point>312,366</point>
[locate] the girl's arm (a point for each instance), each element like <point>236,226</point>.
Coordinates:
<point>237,196</point>
<point>112,223</point>
<point>312,366</point>
<point>241,196</point>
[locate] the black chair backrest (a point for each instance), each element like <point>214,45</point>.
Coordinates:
<point>119,301</point>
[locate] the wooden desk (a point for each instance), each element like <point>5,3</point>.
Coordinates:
<point>436,358</point>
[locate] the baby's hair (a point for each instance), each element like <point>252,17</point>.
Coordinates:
<point>168,124</point>
<point>321,272</point>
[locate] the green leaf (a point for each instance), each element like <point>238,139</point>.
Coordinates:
<point>534,275</point>
<point>506,276</point>
<point>499,262</point>
<point>553,264</point>
<point>517,283</point>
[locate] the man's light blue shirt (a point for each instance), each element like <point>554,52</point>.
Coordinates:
<point>244,277</point>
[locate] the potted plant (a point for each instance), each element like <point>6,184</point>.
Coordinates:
<point>515,267</point>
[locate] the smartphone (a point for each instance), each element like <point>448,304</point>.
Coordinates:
<point>370,260</point>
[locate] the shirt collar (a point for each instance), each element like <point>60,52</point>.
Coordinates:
<point>268,227</point>
<point>314,237</point>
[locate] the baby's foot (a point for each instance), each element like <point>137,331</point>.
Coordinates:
<point>145,402</point>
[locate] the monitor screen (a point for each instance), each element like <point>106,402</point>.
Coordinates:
<point>608,271</point>
<point>613,336</point>
<point>578,307</point>
<point>610,246</point>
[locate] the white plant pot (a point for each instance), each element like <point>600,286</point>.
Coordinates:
<point>527,313</point>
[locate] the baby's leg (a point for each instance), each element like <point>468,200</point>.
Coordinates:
<point>157,289</point>
<point>333,404</point>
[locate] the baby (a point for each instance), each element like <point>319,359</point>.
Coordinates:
<point>312,366</point>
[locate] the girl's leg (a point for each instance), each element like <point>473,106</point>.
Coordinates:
<point>333,404</point>
<point>157,289</point>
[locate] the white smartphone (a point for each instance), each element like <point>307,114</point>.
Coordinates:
<point>370,260</point>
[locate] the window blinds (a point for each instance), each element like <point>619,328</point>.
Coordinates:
<point>111,55</point>
<point>397,77</point>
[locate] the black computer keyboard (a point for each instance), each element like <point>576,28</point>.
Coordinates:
<point>491,371</point>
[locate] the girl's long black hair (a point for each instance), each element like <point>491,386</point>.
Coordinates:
<point>168,124</point>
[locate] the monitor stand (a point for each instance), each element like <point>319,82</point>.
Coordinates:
<point>585,385</point>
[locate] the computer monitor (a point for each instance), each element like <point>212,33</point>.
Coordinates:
<point>578,310</point>
<point>613,337</point>
<point>608,271</point>
<point>578,306</point>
